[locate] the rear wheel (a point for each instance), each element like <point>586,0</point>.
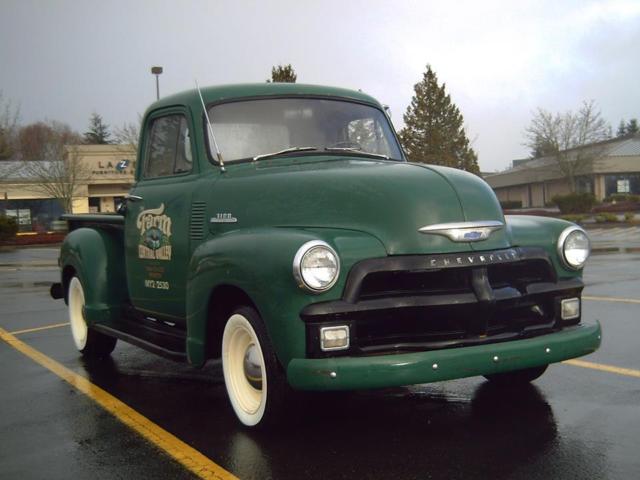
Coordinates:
<point>517,377</point>
<point>88,342</point>
<point>255,382</point>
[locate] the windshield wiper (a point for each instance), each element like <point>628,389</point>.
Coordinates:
<point>282,152</point>
<point>356,151</point>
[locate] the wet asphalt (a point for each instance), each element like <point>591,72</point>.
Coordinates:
<point>571,423</point>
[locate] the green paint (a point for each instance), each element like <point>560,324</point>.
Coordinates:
<point>414,368</point>
<point>161,260</point>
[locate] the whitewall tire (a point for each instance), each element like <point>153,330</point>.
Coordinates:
<point>88,342</point>
<point>79,329</point>
<point>254,380</point>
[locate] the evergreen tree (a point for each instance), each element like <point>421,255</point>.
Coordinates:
<point>283,74</point>
<point>628,128</point>
<point>622,129</point>
<point>98,133</point>
<point>434,128</point>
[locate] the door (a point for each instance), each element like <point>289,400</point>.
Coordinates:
<point>157,220</point>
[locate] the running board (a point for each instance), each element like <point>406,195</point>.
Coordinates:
<point>164,345</point>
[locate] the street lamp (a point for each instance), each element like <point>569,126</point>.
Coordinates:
<point>157,71</point>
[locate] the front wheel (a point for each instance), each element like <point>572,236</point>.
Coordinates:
<point>255,382</point>
<point>517,377</point>
<point>88,342</point>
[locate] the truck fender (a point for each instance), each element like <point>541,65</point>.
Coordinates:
<point>259,262</point>
<point>97,257</point>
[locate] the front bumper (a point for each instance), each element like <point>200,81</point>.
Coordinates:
<point>356,373</point>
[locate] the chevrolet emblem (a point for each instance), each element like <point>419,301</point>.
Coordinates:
<point>463,231</point>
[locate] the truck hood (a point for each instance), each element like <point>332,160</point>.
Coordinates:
<point>389,200</point>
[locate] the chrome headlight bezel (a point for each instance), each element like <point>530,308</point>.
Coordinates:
<point>562,240</point>
<point>300,255</point>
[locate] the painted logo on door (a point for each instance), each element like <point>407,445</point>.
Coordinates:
<point>155,234</point>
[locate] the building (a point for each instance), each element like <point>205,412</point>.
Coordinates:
<point>534,182</point>
<point>106,173</point>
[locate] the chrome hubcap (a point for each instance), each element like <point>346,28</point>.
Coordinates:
<point>253,367</point>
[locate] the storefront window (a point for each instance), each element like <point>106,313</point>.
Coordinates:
<point>623,186</point>
<point>584,184</point>
<point>94,204</point>
<point>32,215</point>
<point>622,183</point>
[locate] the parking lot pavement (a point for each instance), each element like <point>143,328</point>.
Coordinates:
<point>624,238</point>
<point>574,422</point>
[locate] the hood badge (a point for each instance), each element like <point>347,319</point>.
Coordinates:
<point>463,231</point>
<point>224,218</point>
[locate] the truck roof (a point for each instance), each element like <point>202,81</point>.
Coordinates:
<point>236,91</point>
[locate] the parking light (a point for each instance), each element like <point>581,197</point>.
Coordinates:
<point>570,308</point>
<point>334,338</point>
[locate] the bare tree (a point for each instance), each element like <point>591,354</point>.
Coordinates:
<point>128,133</point>
<point>9,116</point>
<point>569,139</point>
<point>59,171</point>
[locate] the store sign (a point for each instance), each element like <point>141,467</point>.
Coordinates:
<point>109,167</point>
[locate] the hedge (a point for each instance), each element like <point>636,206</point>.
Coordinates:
<point>575,202</point>
<point>8,228</point>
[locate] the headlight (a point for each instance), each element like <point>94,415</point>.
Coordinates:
<point>574,247</point>
<point>316,266</point>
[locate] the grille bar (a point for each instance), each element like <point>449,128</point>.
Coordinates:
<point>421,302</point>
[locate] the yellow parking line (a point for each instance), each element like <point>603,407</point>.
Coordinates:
<point>37,329</point>
<point>611,299</point>
<point>189,457</point>
<point>629,372</point>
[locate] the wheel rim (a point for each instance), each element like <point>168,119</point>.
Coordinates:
<point>78,323</point>
<point>244,371</point>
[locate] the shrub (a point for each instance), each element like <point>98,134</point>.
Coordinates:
<point>606,217</point>
<point>629,217</point>
<point>622,197</point>
<point>8,228</point>
<point>573,218</point>
<point>575,202</point>
<point>510,204</point>
<point>618,207</point>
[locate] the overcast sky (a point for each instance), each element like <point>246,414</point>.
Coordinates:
<point>500,60</point>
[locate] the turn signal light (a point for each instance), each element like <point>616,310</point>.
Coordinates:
<point>334,338</point>
<point>570,308</point>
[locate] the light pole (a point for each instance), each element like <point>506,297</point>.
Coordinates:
<point>157,71</point>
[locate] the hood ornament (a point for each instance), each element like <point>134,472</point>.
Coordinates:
<point>463,231</point>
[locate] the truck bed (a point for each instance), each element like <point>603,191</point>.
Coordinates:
<point>96,220</point>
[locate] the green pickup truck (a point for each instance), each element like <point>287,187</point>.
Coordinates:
<point>280,228</point>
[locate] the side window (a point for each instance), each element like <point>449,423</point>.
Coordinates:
<point>169,150</point>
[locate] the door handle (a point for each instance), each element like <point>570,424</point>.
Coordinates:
<point>133,198</point>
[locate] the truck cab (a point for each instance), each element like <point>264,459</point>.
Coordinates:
<point>280,228</point>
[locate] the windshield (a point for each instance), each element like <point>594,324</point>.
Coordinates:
<point>254,128</point>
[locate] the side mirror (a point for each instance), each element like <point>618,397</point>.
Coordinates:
<point>387,110</point>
